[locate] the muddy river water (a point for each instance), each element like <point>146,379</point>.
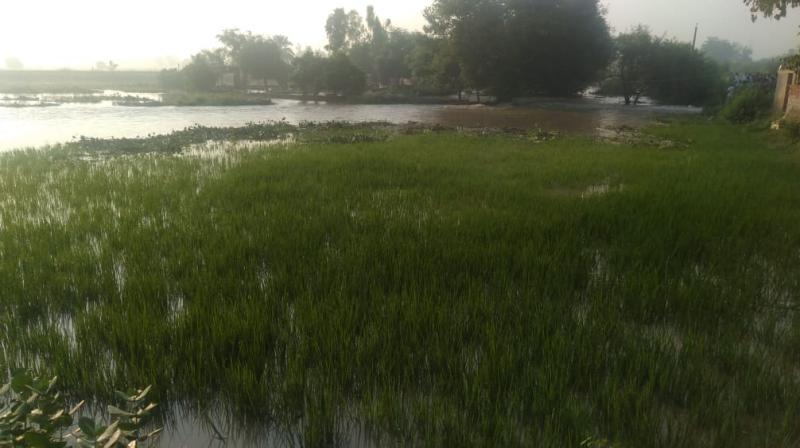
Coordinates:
<point>38,126</point>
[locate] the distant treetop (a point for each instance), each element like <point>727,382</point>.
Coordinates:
<point>771,8</point>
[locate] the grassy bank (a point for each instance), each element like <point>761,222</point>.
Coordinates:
<point>437,288</point>
<point>215,99</point>
<point>188,99</point>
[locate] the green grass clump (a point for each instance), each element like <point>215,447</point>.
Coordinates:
<point>434,289</point>
<point>748,105</point>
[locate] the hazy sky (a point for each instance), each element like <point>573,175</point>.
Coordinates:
<point>150,33</point>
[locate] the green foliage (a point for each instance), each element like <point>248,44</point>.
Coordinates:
<point>233,42</point>
<point>634,53</point>
<point>667,71</point>
<point>680,75</point>
<point>771,8</point>
<point>378,49</point>
<point>267,58</point>
<point>203,72</point>
<point>434,65</point>
<point>309,72</point>
<point>519,47</point>
<point>33,414</point>
<point>342,77</point>
<point>791,62</point>
<point>391,57</point>
<point>314,73</point>
<point>344,30</point>
<point>747,105</point>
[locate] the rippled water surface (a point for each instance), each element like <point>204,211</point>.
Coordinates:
<point>38,126</point>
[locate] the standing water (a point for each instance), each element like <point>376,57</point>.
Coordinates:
<point>22,127</point>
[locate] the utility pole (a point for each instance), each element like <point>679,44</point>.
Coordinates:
<point>694,41</point>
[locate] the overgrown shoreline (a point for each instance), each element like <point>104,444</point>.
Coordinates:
<point>439,287</point>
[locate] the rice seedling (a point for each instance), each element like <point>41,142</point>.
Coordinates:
<point>420,289</point>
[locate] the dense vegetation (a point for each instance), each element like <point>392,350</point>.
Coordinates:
<point>480,47</point>
<point>748,105</point>
<point>502,49</point>
<point>487,47</point>
<point>516,48</point>
<point>665,70</point>
<point>440,289</point>
<point>35,414</point>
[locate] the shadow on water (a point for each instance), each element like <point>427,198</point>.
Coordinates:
<point>38,126</point>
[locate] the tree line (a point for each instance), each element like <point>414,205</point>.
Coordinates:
<point>502,48</point>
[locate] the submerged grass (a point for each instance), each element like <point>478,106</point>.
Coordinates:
<point>436,289</point>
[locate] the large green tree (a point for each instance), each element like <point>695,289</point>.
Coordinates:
<point>203,72</point>
<point>477,32</point>
<point>375,47</point>
<point>342,77</point>
<point>267,58</point>
<point>668,71</point>
<point>309,72</point>
<point>680,75</point>
<point>344,30</point>
<point>435,66</point>
<point>392,58</point>
<point>256,56</point>
<point>635,51</point>
<point>514,47</point>
<point>233,42</point>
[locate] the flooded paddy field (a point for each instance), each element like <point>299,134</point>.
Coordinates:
<point>370,285</point>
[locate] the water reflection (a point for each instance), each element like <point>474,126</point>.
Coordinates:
<point>38,126</point>
<point>186,428</point>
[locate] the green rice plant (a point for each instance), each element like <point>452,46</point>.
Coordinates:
<point>432,288</point>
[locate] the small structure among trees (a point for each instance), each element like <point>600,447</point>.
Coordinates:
<point>787,93</point>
